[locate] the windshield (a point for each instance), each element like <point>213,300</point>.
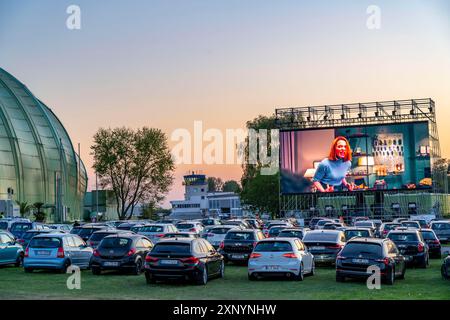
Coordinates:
<point>115,242</point>
<point>240,236</point>
<point>403,237</point>
<point>173,248</point>
<point>152,229</point>
<point>356,233</point>
<point>356,248</point>
<point>219,230</point>
<point>85,232</point>
<point>317,237</point>
<point>441,226</point>
<point>273,246</point>
<point>47,242</point>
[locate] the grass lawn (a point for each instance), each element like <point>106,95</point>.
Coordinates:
<point>418,284</point>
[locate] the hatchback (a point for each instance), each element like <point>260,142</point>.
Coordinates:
<point>86,231</point>
<point>442,230</point>
<point>286,257</point>
<point>56,251</point>
<point>361,253</point>
<point>445,268</point>
<point>10,251</point>
<point>121,252</point>
<point>411,245</point>
<point>324,244</point>
<point>275,230</point>
<point>98,236</point>
<point>322,223</point>
<point>187,258</point>
<point>156,231</point>
<point>27,236</point>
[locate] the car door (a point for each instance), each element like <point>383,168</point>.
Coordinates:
<point>84,252</point>
<point>71,250</point>
<point>306,256</point>
<point>7,249</point>
<point>213,256</point>
<point>394,254</point>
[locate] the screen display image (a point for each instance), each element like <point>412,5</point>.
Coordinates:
<point>346,159</point>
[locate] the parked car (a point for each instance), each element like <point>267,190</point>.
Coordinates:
<point>126,226</point>
<point>180,235</point>
<point>332,226</point>
<point>27,236</point>
<point>238,244</point>
<point>85,231</point>
<point>56,251</point>
<point>121,252</point>
<point>434,245</point>
<point>366,224</point>
<point>442,230</point>
<point>187,258</point>
<point>313,222</point>
<point>411,245</point>
<point>293,233</point>
<point>287,257</point>
<point>190,226</point>
<point>275,230</point>
<point>356,219</point>
<point>95,238</point>
<point>11,252</point>
<point>423,223</point>
<point>60,227</point>
<point>254,223</point>
<point>216,234</point>
<point>271,224</point>
<point>361,253</point>
<point>445,268</point>
<point>386,227</point>
<point>399,220</point>
<point>377,223</point>
<point>156,231</point>
<point>137,227</point>
<point>352,232</point>
<point>322,223</point>
<point>237,222</point>
<point>5,224</point>
<point>210,222</point>
<point>18,228</point>
<point>324,244</point>
<point>411,224</point>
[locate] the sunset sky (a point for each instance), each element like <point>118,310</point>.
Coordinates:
<point>168,63</point>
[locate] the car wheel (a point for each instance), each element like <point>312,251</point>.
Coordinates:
<point>222,270</point>
<point>65,266</point>
<point>149,278</point>
<point>313,268</point>
<point>301,273</point>
<point>424,263</point>
<point>28,270</point>
<point>203,279</point>
<point>391,277</point>
<point>252,277</point>
<point>402,276</point>
<point>19,261</point>
<point>96,271</point>
<point>138,267</point>
<point>340,278</point>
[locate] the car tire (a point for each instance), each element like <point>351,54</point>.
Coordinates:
<point>301,274</point>
<point>149,278</point>
<point>19,261</point>
<point>96,271</point>
<point>402,276</point>
<point>222,270</point>
<point>313,268</point>
<point>252,277</point>
<point>424,263</point>
<point>138,267</point>
<point>65,266</point>
<point>390,279</point>
<point>28,270</point>
<point>203,279</point>
<point>340,278</point>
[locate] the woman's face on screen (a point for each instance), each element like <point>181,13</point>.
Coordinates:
<point>341,148</point>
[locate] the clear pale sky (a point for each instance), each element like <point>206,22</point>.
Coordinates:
<point>168,63</point>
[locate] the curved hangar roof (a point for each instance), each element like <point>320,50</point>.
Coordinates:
<point>35,150</point>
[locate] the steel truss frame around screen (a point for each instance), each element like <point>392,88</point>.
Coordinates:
<point>363,114</point>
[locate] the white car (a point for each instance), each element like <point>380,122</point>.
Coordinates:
<point>190,226</point>
<point>287,257</point>
<point>216,234</point>
<point>156,231</point>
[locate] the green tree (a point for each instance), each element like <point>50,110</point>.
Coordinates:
<point>214,184</point>
<point>231,186</point>
<point>24,208</point>
<point>260,192</point>
<point>39,214</point>
<point>136,165</point>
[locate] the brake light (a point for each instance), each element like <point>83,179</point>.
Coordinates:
<point>385,261</point>
<point>96,253</point>
<point>290,255</point>
<point>91,243</point>
<point>159,235</point>
<point>255,255</point>
<point>26,253</point>
<point>60,253</point>
<point>131,252</point>
<point>192,230</point>
<point>190,260</point>
<point>436,241</point>
<point>334,246</point>
<point>420,247</point>
<point>21,241</point>
<point>151,259</point>
<point>221,245</point>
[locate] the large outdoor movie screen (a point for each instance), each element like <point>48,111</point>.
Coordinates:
<point>346,159</point>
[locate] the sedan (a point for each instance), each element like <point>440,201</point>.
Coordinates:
<point>287,257</point>
<point>324,244</point>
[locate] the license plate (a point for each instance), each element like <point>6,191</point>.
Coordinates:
<point>272,267</point>
<point>360,261</point>
<point>317,248</point>
<point>43,253</point>
<point>238,256</point>
<point>171,262</point>
<point>111,264</point>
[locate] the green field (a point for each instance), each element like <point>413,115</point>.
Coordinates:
<point>418,284</point>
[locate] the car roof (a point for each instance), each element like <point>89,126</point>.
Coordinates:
<point>325,231</point>
<point>40,230</point>
<point>243,230</point>
<point>356,228</point>
<point>171,240</point>
<point>55,234</point>
<point>409,230</point>
<point>292,229</point>
<point>289,239</point>
<point>367,240</point>
<point>125,235</point>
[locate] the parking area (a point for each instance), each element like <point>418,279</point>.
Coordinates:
<point>418,284</point>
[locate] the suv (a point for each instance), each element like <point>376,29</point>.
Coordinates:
<point>121,252</point>
<point>411,245</point>
<point>358,232</point>
<point>361,253</point>
<point>186,258</point>
<point>324,244</point>
<point>238,244</point>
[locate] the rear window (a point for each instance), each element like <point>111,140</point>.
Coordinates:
<point>391,226</point>
<point>75,230</point>
<point>240,236</point>
<point>411,224</point>
<point>99,236</point>
<point>441,226</point>
<point>172,248</point>
<point>356,233</point>
<point>315,237</point>
<point>115,242</point>
<point>185,225</point>
<point>45,242</point>
<point>403,237</point>
<point>291,234</point>
<point>29,235</point>
<point>136,229</point>
<point>273,246</point>
<point>428,235</point>
<point>355,248</point>
<point>276,230</point>
<point>364,224</point>
<point>21,226</point>
<point>152,229</point>
<point>219,230</point>
<point>3,225</point>
<point>86,232</point>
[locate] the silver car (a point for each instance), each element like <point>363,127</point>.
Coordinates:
<point>287,257</point>
<point>156,231</point>
<point>217,234</point>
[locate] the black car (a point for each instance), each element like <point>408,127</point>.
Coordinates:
<point>445,268</point>
<point>275,231</point>
<point>352,232</point>
<point>411,245</point>
<point>292,233</point>
<point>238,244</point>
<point>434,245</point>
<point>85,231</point>
<point>183,259</point>
<point>324,244</point>
<point>98,236</point>
<point>361,253</point>
<point>121,252</point>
